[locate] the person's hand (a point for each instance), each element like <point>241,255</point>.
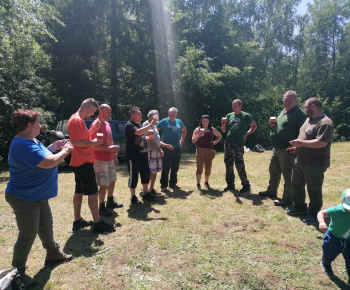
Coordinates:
<point>181,143</point>
<point>97,142</point>
<point>57,145</point>
<point>245,136</point>
<point>170,147</point>
<point>296,143</point>
<point>116,161</point>
<point>161,153</point>
<point>271,124</point>
<point>114,148</point>
<point>323,227</point>
<point>68,147</point>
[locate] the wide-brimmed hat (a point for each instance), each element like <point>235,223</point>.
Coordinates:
<point>345,198</point>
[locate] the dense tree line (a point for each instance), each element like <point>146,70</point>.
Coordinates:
<point>195,55</point>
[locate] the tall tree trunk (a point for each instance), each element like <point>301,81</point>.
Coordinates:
<point>114,77</point>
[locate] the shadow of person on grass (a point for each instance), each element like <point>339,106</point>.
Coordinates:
<point>178,193</point>
<point>212,193</point>
<point>340,283</point>
<point>140,212</point>
<point>255,198</point>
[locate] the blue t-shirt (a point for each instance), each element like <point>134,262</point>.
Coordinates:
<point>27,181</point>
<point>171,131</point>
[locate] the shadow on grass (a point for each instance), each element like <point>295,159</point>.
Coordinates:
<point>78,244</point>
<point>212,193</point>
<point>340,283</point>
<point>140,212</point>
<point>255,198</point>
<point>178,193</point>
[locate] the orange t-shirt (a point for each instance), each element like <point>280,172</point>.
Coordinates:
<point>78,132</point>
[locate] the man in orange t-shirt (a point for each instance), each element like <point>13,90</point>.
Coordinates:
<point>82,162</point>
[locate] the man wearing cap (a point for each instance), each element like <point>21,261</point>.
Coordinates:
<point>313,149</point>
<point>337,235</point>
<point>285,129</point>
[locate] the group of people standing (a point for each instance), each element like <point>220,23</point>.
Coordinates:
<point>33,167</point>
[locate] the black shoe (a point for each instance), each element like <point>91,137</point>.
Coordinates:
<point>164,189</point>
<point>147,196</point>
<point>103,211</point>
<point>154,192</point>
<point>206,184</point>
<point>102,227</point>
<point>327,268</point>
<point>112,204</point>
<point>293,212</point>
<point>79,224</point>
<point>281,202</point>
<point>245,188</point>
<point>22,281</point>
<point>135,200</point>
<point>229,188</point>
<point>199,186</point>
<point>175,187</point>
<point>267,194</point>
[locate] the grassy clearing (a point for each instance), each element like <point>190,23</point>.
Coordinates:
<point>188,239</point>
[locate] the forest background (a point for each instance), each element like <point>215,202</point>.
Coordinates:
<point>197,55</point>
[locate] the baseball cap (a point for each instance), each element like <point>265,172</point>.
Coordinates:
<point>345,198</point>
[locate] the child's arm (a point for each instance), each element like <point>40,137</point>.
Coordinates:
<point>321,223</point>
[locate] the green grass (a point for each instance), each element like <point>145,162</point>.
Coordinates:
<point>189,239</point>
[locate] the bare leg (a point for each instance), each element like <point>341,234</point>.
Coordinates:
<point>132,191</point>
<point>93,205</point>
<point>102,193</point>
<point>110,189</point>
<point>198,177</point>
<point>153,177</point>
<point>77,201</point>
<point>145,187</point>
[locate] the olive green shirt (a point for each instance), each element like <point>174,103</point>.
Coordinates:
<point>237,126</point>
<point>287,127</point>
<point>320,128</point>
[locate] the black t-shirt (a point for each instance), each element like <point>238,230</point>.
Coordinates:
<point>135,145</point>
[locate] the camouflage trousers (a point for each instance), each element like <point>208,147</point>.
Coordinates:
<point>234,155</point>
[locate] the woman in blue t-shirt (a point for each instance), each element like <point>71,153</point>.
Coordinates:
<point>33,181</point>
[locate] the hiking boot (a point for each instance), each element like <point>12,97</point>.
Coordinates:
<point>206,184</point>
<point>199,186</point>
<point>327,268</point>
<point>113,204</point>
<point>245,188</point>
<point>293,212</point>
<point>81,223</point>
<point>103,211</point>
<point>229,188</point>
<point>147,196</point>
<point>267,194</point>
<point>281,202</point>
<point>310,220</point>
<point>102,227</point>
<point>135,200</point>
<point>54,255</point>
<point>22,281</point>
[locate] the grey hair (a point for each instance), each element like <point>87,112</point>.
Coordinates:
<point>151,113</point>
<point>173,109</point>
<point>290,92</point>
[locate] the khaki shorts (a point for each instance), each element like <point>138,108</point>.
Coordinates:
<point>105,172</point>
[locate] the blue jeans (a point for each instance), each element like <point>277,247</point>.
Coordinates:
<point>332,247</point>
